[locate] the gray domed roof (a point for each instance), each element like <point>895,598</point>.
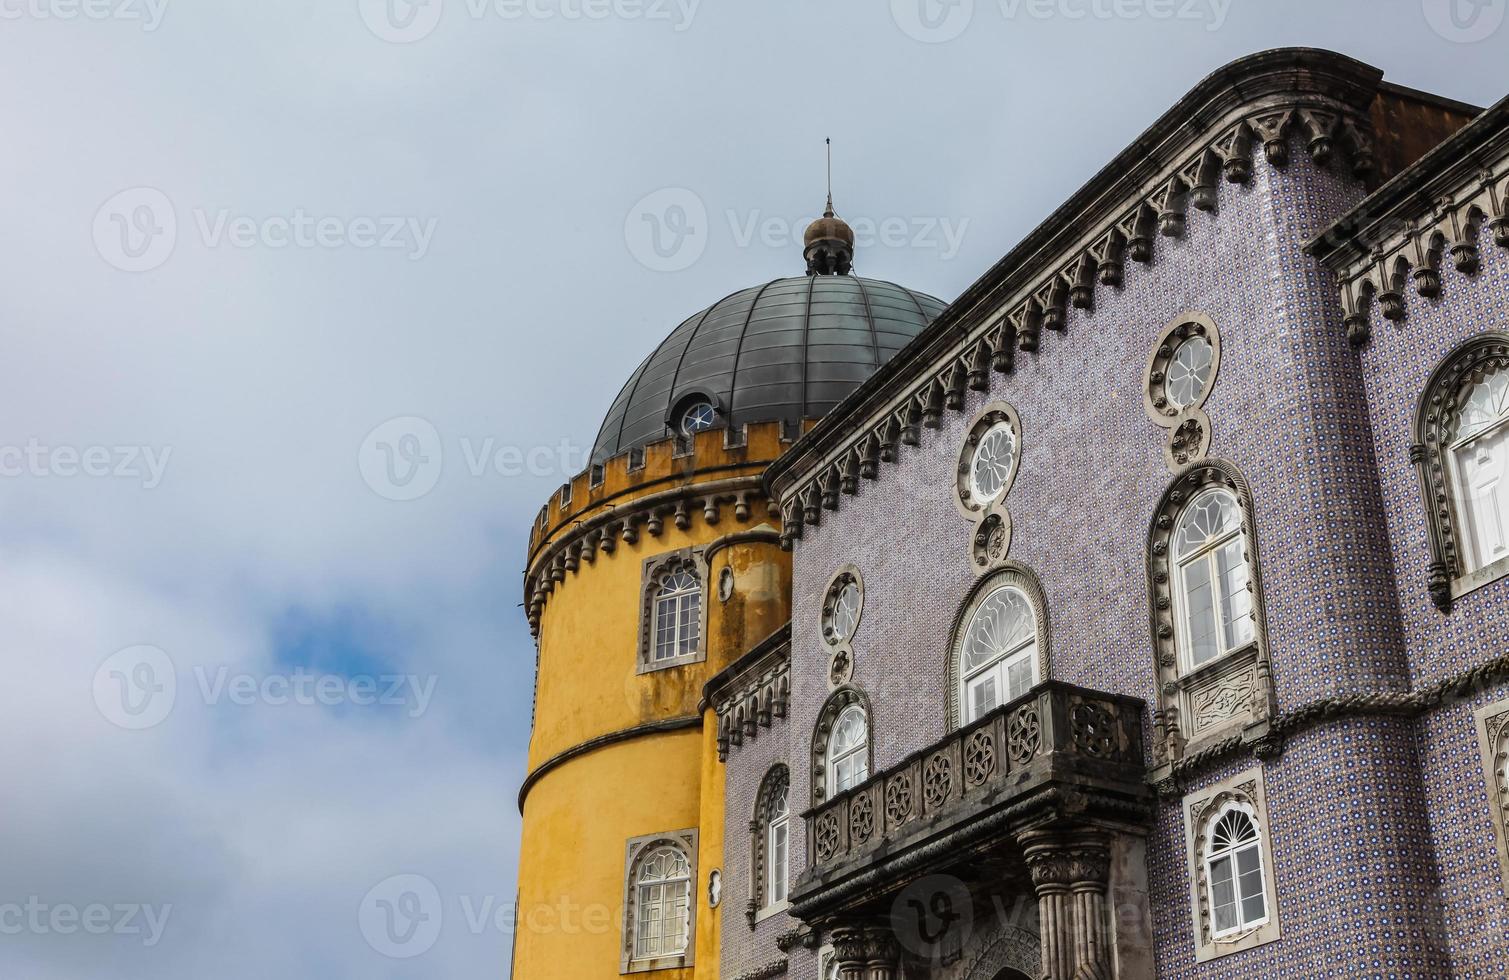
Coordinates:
<point>788,350</point>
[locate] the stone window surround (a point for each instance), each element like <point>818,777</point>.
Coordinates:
<point>1492,724</point>
<point>1434,423</point>
<point>653,570</point>
<point>1200,811</point>
<point>759,831</point>
<point>1221,679</point>
<point>1008,573</point>
<point>826,718</point>
<point>634,852</point>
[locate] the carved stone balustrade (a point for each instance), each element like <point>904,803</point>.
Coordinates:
<point>1059,754</point>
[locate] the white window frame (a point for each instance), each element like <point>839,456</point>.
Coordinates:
<point>1211,856</point>
<point>1000,667</point>
<point>769,861</point>
<point>859,751</point>
<point>1473,560</point>
<point>778,855</point>
<point>1203,809</point>
<point>677,600</point>
<point>656,571</point>
<point>1206,554</point>
<point>638,851</point>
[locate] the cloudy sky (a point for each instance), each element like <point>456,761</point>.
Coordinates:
<point>305,308</point>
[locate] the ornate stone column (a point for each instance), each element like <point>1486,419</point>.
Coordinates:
<point>1070,872</point>
<point>865,952</point>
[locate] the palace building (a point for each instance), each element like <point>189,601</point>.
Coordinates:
<point>1139,613</point>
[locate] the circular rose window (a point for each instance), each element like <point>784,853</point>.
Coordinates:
<point>989,459</point>
<point>842,606</point>
<point>1189,372</point>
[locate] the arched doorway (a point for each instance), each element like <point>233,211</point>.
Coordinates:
<point>1010,974</point>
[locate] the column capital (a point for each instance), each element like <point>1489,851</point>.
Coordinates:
<point>1063,861</point>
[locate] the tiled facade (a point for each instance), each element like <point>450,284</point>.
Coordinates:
<point>1383,847</point>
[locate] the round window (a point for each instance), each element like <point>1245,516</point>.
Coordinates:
<point>842,606</point>
<point>994,459</point>
<point>698,417</point>
<point>1189,371</point>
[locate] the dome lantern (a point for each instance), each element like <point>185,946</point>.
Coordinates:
<point>828,245</point>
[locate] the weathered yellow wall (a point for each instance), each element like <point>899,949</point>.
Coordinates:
<point>577,822</point>
<point>579,815</point>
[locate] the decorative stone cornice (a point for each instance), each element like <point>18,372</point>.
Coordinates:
<point>1401,236</point>
<point>1269,100</point>
<point>1169,779</point>
<point>600,534</point>
<point>753,692</point>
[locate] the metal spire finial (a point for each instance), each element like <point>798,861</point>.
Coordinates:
<point>829,213</point>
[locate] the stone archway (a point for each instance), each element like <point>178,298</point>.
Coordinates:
<point>1008,952</point>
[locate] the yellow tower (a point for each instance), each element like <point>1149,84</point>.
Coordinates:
<point>648,575</point>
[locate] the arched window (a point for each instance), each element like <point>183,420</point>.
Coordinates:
<point>998,652</point>
<point>777,838</point>
<point>678,616</point>
<point>1234,873</point>
<point>770,880</point>
<point>672,616</point>
<point>663,891</point>
<point>841,745</point>
<point>1000,644</point>
<point>848,763</point>
<point>1205,598</point>
<point>1214,601</point>
<point>1480,469</point>
<point>1460,443</point>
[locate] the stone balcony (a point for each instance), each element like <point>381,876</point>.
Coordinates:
<point>1058,758</point>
